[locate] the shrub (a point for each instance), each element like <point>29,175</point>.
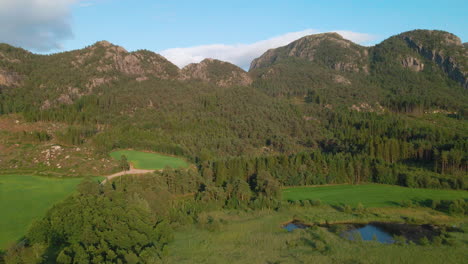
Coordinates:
<point>437,241</point>
<point>399,240</point>
<point>347,209</point>
<point>407,203</point>
<point>424,241</point>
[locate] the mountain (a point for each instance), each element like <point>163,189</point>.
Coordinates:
<point>280,106</point>
<point>415,69</point>
<point>328,49</point>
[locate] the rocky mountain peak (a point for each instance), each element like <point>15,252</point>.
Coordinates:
<point>104,43</point>
<point>107,58</point>
<point>221,73</point>
<point>328,49</point>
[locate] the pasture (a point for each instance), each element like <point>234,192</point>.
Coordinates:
<point>369,195</point>
<point>26,198</point>
<point>150,161</point>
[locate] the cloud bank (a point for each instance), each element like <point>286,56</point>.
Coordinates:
<point>38,25</point>
<point>242,54</point>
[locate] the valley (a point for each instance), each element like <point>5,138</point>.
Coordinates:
<point>116,156</point>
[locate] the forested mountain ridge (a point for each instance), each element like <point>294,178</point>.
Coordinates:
<point>412,71</point>
<point>296,98</point>
<point>394,73</point>
<point>47,81</point>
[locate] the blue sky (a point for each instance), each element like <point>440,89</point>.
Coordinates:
<point>195,26</point>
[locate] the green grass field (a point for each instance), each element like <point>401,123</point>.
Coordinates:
<point>370,195</point>
<point>149,161</point>
<point>26,198</point>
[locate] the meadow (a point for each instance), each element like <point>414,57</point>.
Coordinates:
<point>258,237</point>
<point>369,195</point>
<point>149,161</point>
<point>24,199</point>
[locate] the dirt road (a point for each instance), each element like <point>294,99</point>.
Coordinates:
<point>131,171</point>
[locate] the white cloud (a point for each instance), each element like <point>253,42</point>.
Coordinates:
<point>243,54</point>
<point>38,25</point>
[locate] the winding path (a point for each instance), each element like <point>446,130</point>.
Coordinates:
<point>131,171</point>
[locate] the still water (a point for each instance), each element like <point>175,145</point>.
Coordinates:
<point>369,232</point>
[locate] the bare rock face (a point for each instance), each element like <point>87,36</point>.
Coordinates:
<point>141,64</point>
<point>68,97</point>
<point>341,79</point>
<point>8,59</point>
<point>9,79</point>
<point>221,73</point>
<point>95,82</point>
<point>445,49</point>
<point>412,64</point>
<point>329,49</point>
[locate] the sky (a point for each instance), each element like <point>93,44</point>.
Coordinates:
<point>187,31</point>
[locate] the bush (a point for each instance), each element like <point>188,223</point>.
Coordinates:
<point>347,209</point>
<point>437,241</point>
<point>424,241</point>
<point>399,240</point>
<point>407,203</point>
<point>360,208</point>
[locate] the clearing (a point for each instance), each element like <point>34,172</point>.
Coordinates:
<point>150,161</point>
<point>26,198</point>
<point>370,195</point>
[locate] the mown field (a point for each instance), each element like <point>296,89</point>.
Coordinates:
<point>150,161</point>
<point>369,195</point>
<point>26,198</point>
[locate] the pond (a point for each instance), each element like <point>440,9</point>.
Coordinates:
<point>369,232</point>
<point>385,232</point>
<point>295,224</point>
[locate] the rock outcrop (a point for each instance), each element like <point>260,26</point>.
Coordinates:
<point>443,48</point>
<point>221,73</point>
<point>141,64</point>
<point>9,78</point>
<point>413,64</point>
